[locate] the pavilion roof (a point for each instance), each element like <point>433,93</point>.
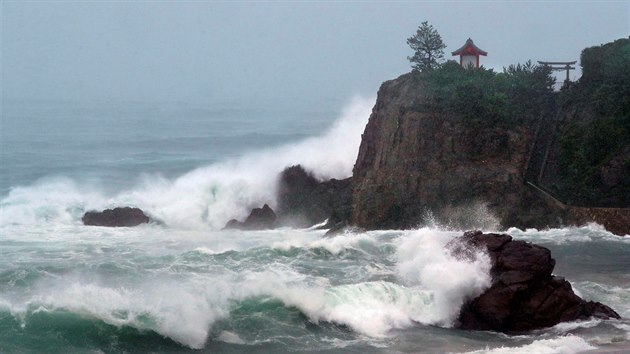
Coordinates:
<point>469,49</point>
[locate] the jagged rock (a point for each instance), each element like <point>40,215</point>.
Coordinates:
<point>304,201</point>
<point>115,217</point>
<point>523,295</point>
<point>258,219</point>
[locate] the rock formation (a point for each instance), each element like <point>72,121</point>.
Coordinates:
<point>523,295</point>
<point>413,159</point>
<point>116,217</point>
<point>259,219</point>
<point>442,145</point>
<point>304,201</point>
<point>420,159</point>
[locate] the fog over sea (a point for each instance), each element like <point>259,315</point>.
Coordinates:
<point>186,286</point>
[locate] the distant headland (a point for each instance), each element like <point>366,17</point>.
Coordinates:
<point>466,147</point>
<point>441,142</point>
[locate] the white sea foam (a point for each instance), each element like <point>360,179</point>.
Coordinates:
<point>586,233</point>
<point>615,296</point>
<point>183,315</point>
<point>436,285</point>
<point>184,306</point>
<point>208,196</point>
<point>208,251</point>
<point>333,245</point>
<point>230,337</point>
<point>562,345</point>
<point>565,327</point>
<point>425,262</point>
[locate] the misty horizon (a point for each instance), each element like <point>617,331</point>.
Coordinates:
<point>271,53</point>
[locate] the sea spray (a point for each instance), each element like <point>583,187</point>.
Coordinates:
<point>562,345</point>
<point>206,197</point>
<point>288,287</point>
<point>230,189</point>
<point>425,261</point>
<point>182,296</point>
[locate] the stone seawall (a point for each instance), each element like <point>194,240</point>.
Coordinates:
<point>615,220</point>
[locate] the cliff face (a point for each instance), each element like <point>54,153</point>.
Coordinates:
<point>587,160</point>
<point>413,159</point>
<point>304,201</point>
<point>479,149</point>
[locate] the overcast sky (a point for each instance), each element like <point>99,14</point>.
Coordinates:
<point>279,52</point>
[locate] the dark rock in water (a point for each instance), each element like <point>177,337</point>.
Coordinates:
<point>523,295</point>
<point>261,217</point>
<point>115,217</point>
<point>258,219</point>
<point>304,201</point>
<point>232,224</point>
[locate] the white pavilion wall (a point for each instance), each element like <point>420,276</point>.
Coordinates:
<point>469,59</point>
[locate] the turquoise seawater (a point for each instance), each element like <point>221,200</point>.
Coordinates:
<point>186,286</point>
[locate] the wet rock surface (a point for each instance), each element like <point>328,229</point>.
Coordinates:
<point>305,201</point>
<point>117,217</point>
<point>523,295</point>
<point>259,219</point>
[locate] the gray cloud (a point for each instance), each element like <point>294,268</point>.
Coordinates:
<point>273,52</point>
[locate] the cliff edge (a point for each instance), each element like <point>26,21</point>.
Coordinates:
<point>416,158</point>
<point>479,149</point>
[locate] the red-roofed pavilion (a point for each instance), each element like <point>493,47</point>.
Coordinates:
<point>469,54</point>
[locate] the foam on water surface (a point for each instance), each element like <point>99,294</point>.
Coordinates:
<point>184,284</point>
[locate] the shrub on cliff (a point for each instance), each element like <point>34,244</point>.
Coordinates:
<point>605,81</point>
<point>482,96</point>
<point>598,134</point>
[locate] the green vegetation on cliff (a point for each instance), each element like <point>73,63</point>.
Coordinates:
<point>591,149</point>
<point>595,143</point>
<point>484,97</point>
<point>450,139</point>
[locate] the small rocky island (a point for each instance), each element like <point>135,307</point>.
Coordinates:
<point>524,295</point>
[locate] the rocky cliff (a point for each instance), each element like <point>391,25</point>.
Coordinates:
<point>414,159</point>
<point>480,149</point>
<point>475,148</point>
<point>587,158</point>
<point>305,201</point>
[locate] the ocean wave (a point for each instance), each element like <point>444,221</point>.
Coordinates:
<point>561,345</point>
<point>181,315</point>
<point>334,245</point>
<point>587,233</point>
<point>616,297</point>
<point>206,197</point>
<point>182,297</point>
<point>424,260</point>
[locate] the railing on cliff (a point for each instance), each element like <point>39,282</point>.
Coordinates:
<point>538,156</point>
<point>539,152</point>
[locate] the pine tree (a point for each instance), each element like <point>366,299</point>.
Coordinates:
<point>428,48</point>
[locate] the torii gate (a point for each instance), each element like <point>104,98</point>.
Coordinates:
<point>559,66</point>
